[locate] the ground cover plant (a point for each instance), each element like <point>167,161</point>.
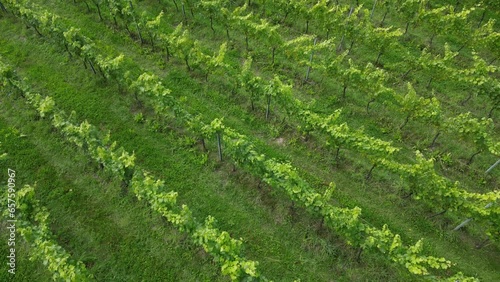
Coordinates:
<point>332,140</point>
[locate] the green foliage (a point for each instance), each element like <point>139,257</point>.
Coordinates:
<point>477,130</point>
<point>300,48</point>
<point>442,194</point>
<point>417,107</point>
<point>480,78</point>
<point>251,83</point>
<point>344,221</point>
<point>487,37</point>
<point>153,85</point>
<point>152,27</point>
<point>46,106</point>
<point>7,75</point>
<point>3,156</point>
<point>384,38</point>
<point>409,10</point>
<point>183,46</point>
<point>209,64</point>
<point>225,250</point>
<point>373,81</point>
<point>43,246</point>
<point>112,67</point>
<point>340,135</point>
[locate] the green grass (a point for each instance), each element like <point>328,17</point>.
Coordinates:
<point>240,210</point>
<point>416,135</point>
<point>287,244</point>
<point>91,219</point>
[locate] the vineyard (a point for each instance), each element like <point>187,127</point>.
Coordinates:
<point>186,140</point>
